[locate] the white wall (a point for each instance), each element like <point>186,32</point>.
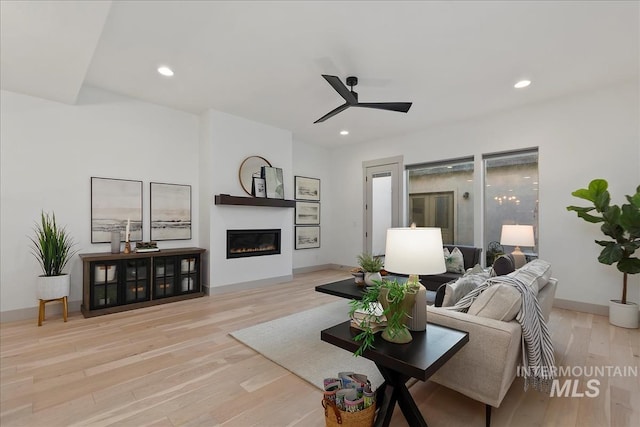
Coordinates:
<point>315,162</point>
<point>232,140</point>
<point>580,137</point>
<point>49,152</point>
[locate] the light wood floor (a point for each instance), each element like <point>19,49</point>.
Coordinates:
<point>176,365</point>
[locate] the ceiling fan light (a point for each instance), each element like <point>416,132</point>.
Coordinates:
<point>344,132</point>
<point>165,71</point>
<point>522,84</point>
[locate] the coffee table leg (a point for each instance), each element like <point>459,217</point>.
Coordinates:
<point>397,391</point>
<point>387,401</point>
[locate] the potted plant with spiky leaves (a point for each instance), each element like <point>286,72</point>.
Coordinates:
<point>371,265</point>
<point>52,247</point>
<point>621,225</point>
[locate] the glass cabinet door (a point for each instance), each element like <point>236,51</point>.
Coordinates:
<point>104,291</point>
<point>136,283</point>
<point>164,279</point>
<point>189,274</point>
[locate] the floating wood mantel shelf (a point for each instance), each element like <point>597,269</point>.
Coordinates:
<point>226,199</point>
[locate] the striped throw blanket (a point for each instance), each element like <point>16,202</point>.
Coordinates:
<point>537,348</point>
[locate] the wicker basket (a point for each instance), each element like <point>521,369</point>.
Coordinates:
<point>335,417</point>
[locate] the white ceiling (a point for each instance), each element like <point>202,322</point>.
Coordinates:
<point>263,60</point>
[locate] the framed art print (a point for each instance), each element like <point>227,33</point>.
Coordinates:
<point>258,187</point>
<point>307,188</point>
<point>170,211</point>
<point>307,237</point>
<point>307,213</point>
<point>274,182</point>
<point>114,202</point>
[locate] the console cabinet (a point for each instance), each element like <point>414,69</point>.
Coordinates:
<point>119,282</point>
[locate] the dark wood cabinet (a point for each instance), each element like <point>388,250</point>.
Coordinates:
<point>118,282</point>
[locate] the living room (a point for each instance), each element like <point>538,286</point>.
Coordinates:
<point>50,150</point>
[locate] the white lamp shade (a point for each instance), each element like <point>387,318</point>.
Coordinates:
<point>414,251</point>
<point>517,235</point>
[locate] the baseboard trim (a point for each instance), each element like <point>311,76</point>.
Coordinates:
<point>313,268</point>
<point>32,312</point>
<point>245,286</point>
<point>584,307</point>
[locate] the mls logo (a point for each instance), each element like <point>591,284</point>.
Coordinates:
<point>570,388</point>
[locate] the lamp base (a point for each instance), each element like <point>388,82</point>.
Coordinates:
<point>519,259</point>
<point>418,319</point>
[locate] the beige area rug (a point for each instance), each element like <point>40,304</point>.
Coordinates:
<point>293,342</point>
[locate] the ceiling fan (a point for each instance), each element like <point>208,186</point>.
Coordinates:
<point>351,99</point>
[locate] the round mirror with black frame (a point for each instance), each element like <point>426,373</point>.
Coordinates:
<point>250,166</point>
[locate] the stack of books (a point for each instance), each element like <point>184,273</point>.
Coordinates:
<point>147,247</point>
<point>371,317</point>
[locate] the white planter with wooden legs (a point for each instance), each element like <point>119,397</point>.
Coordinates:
<point>53,288</point>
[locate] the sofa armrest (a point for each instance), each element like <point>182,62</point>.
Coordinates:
<point>486,366</point>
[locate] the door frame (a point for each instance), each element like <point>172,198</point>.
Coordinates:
<point>395,165</point>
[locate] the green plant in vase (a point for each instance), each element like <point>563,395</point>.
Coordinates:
<point>397,300</point>
<point>371,267</point>
<point>621,227</point>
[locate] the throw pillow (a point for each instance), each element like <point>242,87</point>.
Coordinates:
<point>534,274</point>
<point>499,302</point>
<point>503,265</point>
<point>476,269</point>
<point>454,291</point>
<point>454,260</point>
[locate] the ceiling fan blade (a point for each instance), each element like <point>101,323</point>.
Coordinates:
<point>333,113</point>
<point>401,107</point>
<point>339,87</point>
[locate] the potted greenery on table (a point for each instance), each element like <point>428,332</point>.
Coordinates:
<point>52,248</point>
<point>621,225</point>
<point>397,301</point>
<point>371,266</point>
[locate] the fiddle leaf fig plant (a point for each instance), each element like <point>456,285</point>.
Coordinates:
<point>621,224</point>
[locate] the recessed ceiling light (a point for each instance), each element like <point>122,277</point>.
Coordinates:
<point>344,132</point>
<point>522,83</point>
<point>165,71</point>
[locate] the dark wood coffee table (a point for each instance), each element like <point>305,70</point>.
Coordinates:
<point>419,359</point>
<point>346,288</point>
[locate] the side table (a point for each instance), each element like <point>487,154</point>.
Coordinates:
<point>418,359</point>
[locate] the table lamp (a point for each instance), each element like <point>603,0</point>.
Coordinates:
<point>415,251</point>
<point>517,235</point>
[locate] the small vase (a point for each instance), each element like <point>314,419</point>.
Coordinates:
<point>402,335</point>
<point>369,277</point>
<point>115,242</point>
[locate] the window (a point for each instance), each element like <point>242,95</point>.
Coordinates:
<point>439,195</point>
<point>510,197</point>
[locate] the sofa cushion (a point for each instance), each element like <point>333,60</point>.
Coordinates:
<point>535,274</point>
<point>454,260</point>
<point>499,302</point>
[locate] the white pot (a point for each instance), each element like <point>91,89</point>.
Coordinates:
<point>369,277</point>
<point>53,287</point>
<point>624,315</point>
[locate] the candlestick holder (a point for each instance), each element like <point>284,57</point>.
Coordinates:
<point>127,245</point>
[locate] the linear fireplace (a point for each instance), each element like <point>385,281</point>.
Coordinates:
<point>246,243</point>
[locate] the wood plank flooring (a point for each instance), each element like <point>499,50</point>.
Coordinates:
<point>176,365</point>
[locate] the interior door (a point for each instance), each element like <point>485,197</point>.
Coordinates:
<point>381,202</point>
